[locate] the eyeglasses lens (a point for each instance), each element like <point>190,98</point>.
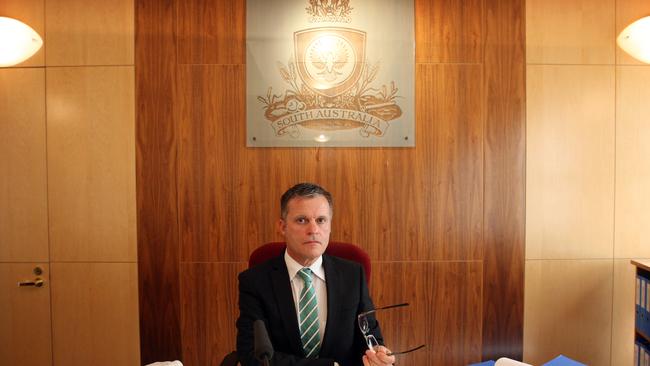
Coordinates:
<point>372,342</point>
<point>363,324</point>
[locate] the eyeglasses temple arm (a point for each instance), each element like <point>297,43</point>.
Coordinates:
<point>404,352</point>
<point>382,308</point>
<point>393,306</point>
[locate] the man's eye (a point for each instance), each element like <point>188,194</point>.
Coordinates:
<point>301,220</point>
<point>321,220</point>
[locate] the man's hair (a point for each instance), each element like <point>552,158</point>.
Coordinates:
<point>303,190</point>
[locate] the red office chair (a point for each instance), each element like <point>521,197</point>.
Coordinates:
<point>342,250</point>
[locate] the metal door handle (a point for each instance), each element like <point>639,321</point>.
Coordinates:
<point>38,282</point>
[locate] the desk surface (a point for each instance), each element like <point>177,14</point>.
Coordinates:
<point>645,264</point>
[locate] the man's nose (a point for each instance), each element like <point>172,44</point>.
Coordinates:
<point>313,227</point>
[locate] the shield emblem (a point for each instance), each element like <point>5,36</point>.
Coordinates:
<point>330,59</point>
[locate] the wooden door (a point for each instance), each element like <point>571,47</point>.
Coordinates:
<point>25,330</point>
<point>25,320</point>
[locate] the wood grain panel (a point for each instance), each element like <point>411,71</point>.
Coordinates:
<point>25,321</point>
<point>449,31</point>
<point>570,32</point>
<point>628,11</point>
<point>89,32</point>
<point>211,32</point>
<point>442,176</point>
<point>400,204</point>
<point>345,174</point>
<point>623,313</point>
<point>390,174</point>
<point>504,181</point>
<point>156,163</point>
<point>209,310</point>
<point>210,116</point>
<point>570,162</point>
<point>568,310</point>
<point>632,164</point>
<point>91,163</point>
<point>23,187</point>
<point>32,13</point>
<point>95,314</point>
<point>445,310</point>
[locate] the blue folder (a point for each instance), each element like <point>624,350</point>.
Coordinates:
<point>563,361</point>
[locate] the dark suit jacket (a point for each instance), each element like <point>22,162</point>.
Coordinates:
<point>265,293</point>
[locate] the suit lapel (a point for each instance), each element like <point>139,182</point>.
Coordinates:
<point>284,299</point>
<point>333,285</point>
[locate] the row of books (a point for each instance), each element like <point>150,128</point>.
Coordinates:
<point>643,304</point>
<point>641,353</point>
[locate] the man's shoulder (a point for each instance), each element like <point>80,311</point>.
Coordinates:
<point>345,268</point>
<point>342,262</point>
<point>264,267</point>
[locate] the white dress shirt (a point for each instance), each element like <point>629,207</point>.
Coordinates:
<point>320,287</point>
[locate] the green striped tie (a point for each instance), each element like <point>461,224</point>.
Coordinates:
<point>308,318</point>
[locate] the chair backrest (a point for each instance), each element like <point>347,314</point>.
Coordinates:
<point>338,249</point>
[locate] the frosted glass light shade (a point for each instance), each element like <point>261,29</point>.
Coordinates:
<point>635,39</point>
<point>18,42</point>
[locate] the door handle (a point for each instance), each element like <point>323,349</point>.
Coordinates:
<point>38,282</point>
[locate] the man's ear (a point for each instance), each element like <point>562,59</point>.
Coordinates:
<point>282,226</point>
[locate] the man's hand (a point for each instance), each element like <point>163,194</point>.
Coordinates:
<point>378,357</point>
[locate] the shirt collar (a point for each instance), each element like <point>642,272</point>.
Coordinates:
<point>293,267</point>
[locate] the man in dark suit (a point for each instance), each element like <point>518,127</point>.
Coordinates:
<point>308,301</point>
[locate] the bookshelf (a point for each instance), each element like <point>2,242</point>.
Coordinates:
<point>642,313</point>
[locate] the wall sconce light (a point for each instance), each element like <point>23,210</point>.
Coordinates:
<point>635,39</point>
<point>18,42</point>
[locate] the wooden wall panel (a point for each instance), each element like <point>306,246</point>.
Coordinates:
<point>444,313</point>
<point>449,31</point>
<point>568,311</point>
<point>632,215</point>
<point>94,314</point>
<point>570,32</point>
<point>447,168</point>
<point>347,175</point>
<point>32,13</point>
<point>211,32</point>
<point>391,174</point>
<point>623,313</point>
<point>504,178</point>
<point>421,207</point>
<point>628,11</point>
<point>25,320</point>
<point>209,310</point>
<point>156,149</point>
<point>91,152</point>
<point>89,32</point>
<point>570,162</point>
<point>211,109</point>
<point>23,187</point>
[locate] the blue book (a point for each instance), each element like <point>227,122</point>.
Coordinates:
<point>644,354</point>
<point>646,308</point>
<point>637,301</point>
<point>643,321</point>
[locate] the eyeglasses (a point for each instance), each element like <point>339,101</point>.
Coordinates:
<point>371,341</point>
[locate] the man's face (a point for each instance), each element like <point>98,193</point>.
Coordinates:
<point>306,228</point>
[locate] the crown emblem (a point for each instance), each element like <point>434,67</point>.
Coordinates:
<point>329,10</point>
